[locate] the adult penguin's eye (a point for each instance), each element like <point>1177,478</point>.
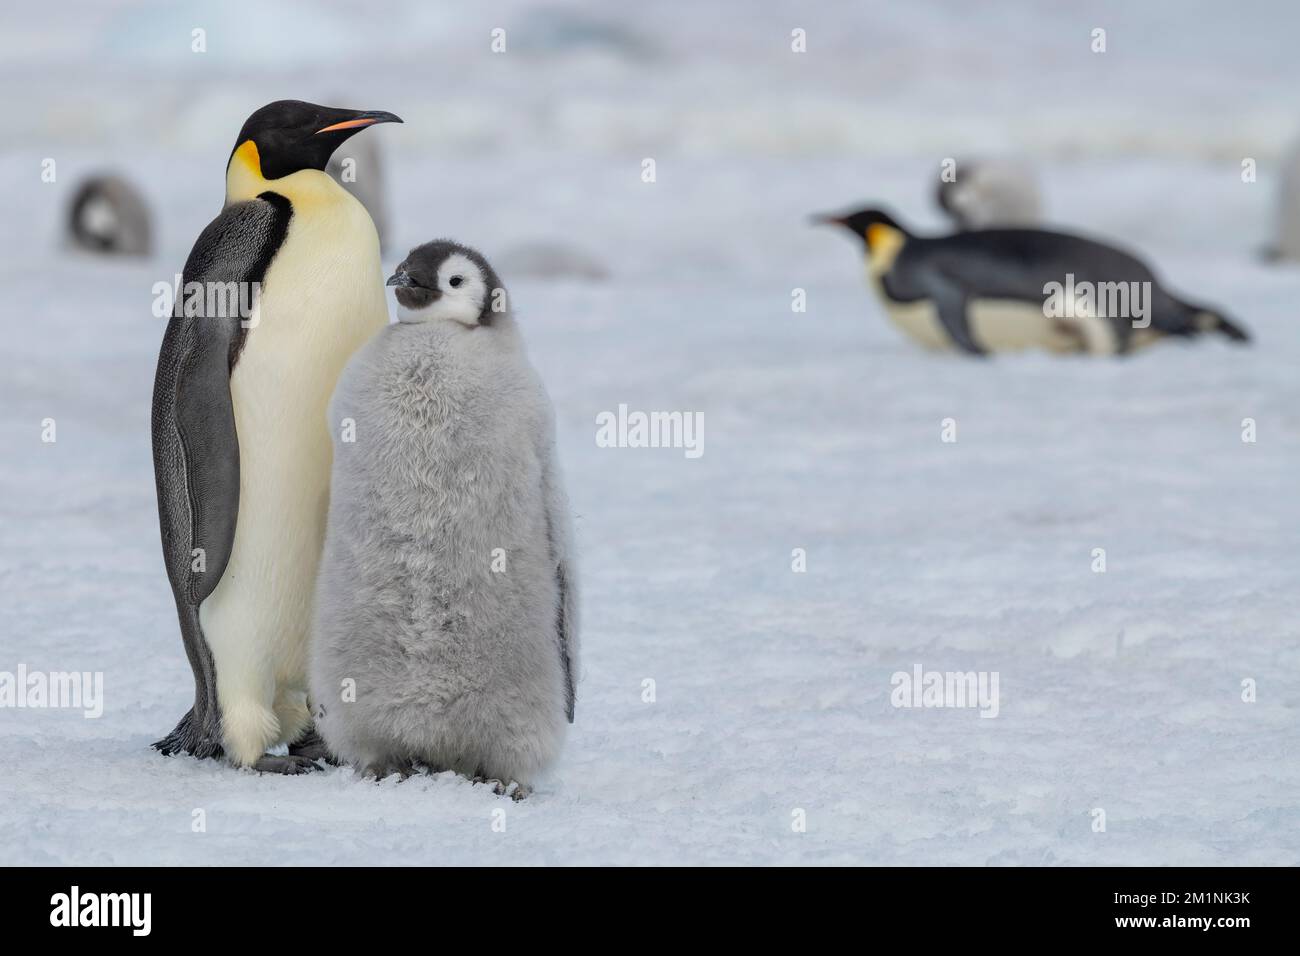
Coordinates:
<point>456,281</point>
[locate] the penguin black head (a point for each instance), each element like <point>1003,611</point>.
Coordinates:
<point>861,223</point>
<point>290,135</point>
<point>445,280</point>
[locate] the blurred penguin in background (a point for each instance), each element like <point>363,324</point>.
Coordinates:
<point>553,260</point>
<point>358,167</point>
<point>1002,290</point>
<point>990,193</point>
<point>1286,241</point>
<point>109,216</point>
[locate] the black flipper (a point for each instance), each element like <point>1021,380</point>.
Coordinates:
<point>199,731</point>
<point>559,537</point>
<point>951,303</point>
<point>562,629</point>
<point>195,448</point>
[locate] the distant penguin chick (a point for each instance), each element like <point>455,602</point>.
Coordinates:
<point>990,193</point>
<point>446,627</point>
<point>108,215</point>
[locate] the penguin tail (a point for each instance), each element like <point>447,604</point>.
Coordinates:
<point>1212,320</point>
<point>1200,319</point>
<point>1229,328</point>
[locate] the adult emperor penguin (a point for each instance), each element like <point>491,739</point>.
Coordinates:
<point>241,444</point>
<point>994,290</point>
<point>446,609</point>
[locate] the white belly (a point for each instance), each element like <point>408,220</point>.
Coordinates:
<point>321,299</point>
<point>1002,325</point>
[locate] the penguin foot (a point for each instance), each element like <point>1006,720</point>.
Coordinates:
<point>289,764</point>
<point>313,747</point>
<point>380,769</point>
<point>514,790</point>
<point>192,736</point>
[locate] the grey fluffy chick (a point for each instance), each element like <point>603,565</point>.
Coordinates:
<point>446,625</point>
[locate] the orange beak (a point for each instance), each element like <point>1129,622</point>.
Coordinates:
<point>347,124</point>
<point>360,120</point>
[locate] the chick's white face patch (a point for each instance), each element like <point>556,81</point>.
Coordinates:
<point>463,290</point>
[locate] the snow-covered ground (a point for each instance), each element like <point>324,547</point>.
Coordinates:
<point>1119,691</point>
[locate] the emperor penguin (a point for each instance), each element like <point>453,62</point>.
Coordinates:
<point>996,290</point>
<point>446,627</point>
<point>240,441</point>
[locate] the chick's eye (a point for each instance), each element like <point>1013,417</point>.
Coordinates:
<point>455,281</point>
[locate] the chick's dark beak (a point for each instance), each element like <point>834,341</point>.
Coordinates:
<point>401,280</point>
<point>826,219</point>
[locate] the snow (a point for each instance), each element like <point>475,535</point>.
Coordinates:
<point>1119,690</point>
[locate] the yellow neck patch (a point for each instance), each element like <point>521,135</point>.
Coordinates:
<point>883,245</point>
<point>304,189</point>
<point>244,178</point>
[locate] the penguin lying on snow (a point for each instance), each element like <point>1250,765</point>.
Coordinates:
<point>996,290</point>
<point>240,441</point>
<point>447,590</point>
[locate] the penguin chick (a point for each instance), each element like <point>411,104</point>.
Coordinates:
<point>998,290</point>
<point>990,193</point>
<point>108,215</point>
<point>446,624</point>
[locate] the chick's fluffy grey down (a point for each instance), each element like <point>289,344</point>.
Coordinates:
<point>457,666</point>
